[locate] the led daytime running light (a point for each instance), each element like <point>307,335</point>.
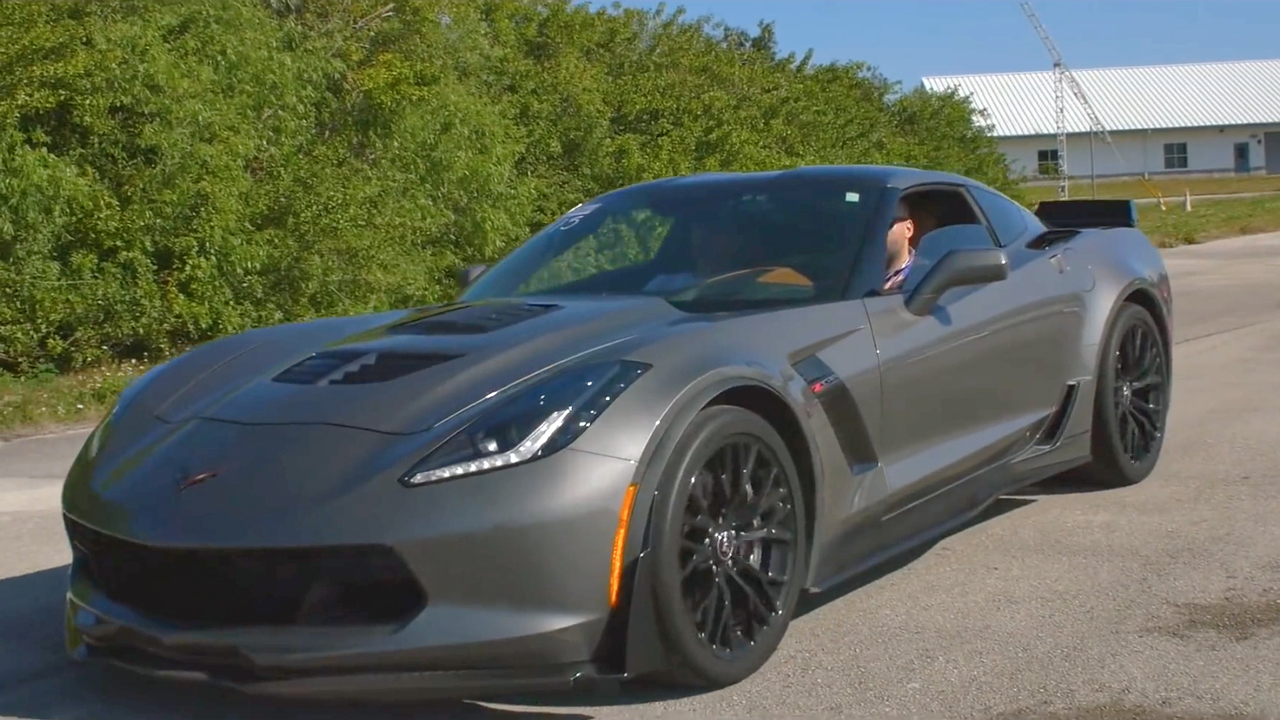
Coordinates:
<point>532,422</point>
<point>520,453</point>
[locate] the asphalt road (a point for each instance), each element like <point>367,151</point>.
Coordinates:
<point>1155,602</point>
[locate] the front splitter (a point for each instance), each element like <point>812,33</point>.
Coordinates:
<point>94,638</point>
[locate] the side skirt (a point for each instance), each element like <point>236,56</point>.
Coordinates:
<point>939,515</point>
<point>1055,448</point>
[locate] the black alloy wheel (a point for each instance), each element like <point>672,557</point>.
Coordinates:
<point>1139,392</point>
<point>1132,401</point>
<point>739,539</point>
<point>729,547</point>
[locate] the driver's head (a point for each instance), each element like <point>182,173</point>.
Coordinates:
<point>715,246</point>
<point>900,232</point>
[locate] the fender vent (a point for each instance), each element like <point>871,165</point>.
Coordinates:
<point>841,409</point>
<point>358,367</point>
<point>474,319</point>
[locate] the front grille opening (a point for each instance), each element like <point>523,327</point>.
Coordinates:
<point>320,587</point>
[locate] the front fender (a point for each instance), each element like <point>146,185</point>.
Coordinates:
<point>642,651</point>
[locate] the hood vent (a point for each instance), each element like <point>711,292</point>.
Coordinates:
<point>474,319</point>
<point>358,367</point>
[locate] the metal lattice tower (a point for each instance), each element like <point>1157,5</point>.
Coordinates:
<point>1060,120</point>
<point>1064,79</point>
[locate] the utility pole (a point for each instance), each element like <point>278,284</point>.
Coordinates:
<point>1093,174</point>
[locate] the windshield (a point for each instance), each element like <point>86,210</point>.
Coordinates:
<point>709,245</point>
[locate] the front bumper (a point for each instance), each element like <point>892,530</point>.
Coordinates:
<point>513,567</point>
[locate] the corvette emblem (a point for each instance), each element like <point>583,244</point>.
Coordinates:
<point>197,479</point>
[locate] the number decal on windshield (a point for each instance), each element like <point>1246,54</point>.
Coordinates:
<point>575,215</point>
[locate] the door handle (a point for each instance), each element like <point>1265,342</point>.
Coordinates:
<point>1058,263</point>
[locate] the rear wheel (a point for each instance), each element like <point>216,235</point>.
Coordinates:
<point>730,547</point>
<point>1132,401</point>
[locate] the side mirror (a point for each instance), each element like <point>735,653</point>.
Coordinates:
<point>958,268</point>
<point>468,275</point>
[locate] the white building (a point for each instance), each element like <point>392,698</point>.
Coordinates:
<point>1219,117</point>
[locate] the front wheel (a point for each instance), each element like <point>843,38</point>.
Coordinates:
<point>730,547</point>
<point>1132,402</point>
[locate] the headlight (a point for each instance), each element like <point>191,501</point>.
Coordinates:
<point>536,422</point>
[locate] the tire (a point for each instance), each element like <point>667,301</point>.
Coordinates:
<point>1115,464</point>
<point>723,561</point>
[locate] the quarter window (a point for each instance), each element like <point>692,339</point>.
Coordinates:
<point>1007,218</point>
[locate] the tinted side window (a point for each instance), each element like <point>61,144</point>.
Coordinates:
<point>1007,218</point>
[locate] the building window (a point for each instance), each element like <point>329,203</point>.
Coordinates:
<point>1047,162</point>
<point>1175,156</point>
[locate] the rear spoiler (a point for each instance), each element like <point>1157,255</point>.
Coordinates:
<point>1081,214</point>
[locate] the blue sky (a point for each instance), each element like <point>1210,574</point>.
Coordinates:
<point>909,39</point>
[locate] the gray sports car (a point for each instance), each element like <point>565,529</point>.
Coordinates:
<point>626,449</point>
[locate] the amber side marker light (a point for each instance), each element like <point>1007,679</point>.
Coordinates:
<point>619,544</point>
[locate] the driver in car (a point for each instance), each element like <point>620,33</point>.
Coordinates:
<point>900,254</point>
<point>716,250</point>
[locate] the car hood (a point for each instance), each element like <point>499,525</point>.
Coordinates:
<point>400,372</point>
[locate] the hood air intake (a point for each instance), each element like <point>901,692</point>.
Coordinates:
<point>358,367</point>
<point>474,319</point>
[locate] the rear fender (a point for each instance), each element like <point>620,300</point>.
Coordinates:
<point>1122,260</point>
<point>1149,296</point>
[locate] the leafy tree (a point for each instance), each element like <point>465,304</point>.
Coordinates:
<point>171,172</point>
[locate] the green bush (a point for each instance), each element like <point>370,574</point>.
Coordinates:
<point>172,172</point>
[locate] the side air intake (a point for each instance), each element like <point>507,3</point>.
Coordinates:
<point>474,319</point>
<point>1056,423</point>
<point>358,367</point>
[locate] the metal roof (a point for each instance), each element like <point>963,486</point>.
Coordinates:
<point>1127,98</point>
